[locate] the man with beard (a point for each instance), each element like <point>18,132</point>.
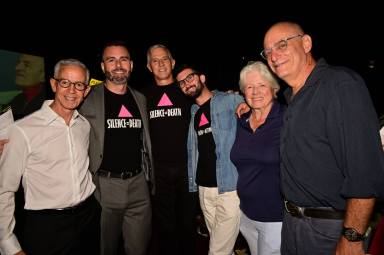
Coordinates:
<point>120,154</point>
<point>212,132</point>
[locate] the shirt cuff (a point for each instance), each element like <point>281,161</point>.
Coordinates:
<point>10,246</point>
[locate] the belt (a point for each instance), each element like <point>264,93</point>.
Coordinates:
<point>313,212</point>
<point>66,210</point>
<point>122,175</point>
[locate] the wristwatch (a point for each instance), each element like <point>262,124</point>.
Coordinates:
<point>352,235</point>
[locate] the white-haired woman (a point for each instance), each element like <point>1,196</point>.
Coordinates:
<point>255,154</point>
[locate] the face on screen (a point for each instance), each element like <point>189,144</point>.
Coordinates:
<point>29,71</point>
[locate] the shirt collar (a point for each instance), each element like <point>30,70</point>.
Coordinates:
<point>311,81</point>
<point>275,112</point>
<point>272,114</point>
<point>50,115</point>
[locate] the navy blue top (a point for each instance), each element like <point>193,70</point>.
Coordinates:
<point>330,143</point>
<point>257,159</point>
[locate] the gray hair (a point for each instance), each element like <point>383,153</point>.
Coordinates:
<point>263,70</point>
<point>149,51</point>
<point>70,62</point>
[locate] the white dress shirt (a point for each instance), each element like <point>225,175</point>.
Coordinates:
<point>51,157</point>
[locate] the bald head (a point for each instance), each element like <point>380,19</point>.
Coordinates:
<point>288,52</point>
<point>284,29</point>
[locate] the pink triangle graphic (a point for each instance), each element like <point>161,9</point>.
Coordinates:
<point>124,112</point>
<point>203,120</point>
<point>164,101</point>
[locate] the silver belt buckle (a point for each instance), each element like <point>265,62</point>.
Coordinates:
<point>300,210</point>
<point>286,207</point>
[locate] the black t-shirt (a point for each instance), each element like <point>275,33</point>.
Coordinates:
<point>123,127</point>
<point>206,165</point>
<point>169,116</point>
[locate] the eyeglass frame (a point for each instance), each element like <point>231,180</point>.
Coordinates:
<point>188,78</point>
<point>75,84</point>
<point>278,46</point>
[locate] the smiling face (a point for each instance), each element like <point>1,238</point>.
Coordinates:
<point>117,64</point>
<point>68,99</point>
<point>257,91</point>
<point>190,83</point>
<point>160,63</point>
<point>289,62</point>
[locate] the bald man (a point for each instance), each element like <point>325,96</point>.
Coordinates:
<point>332,167</point>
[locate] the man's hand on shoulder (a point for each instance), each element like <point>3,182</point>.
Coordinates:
<point>241,109</point>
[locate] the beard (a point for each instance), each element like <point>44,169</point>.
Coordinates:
<point>117,78</point>
<point>195,94</point>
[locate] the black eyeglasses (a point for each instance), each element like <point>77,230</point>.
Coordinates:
<point>64,83</point>
<point>189,78</point>
<point>279,47</point>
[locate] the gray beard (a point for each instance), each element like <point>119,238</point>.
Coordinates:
<point>117,79</point>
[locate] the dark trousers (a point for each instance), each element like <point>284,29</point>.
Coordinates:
<point>303,236</point>
<point>19,212</point>
<point>175,210</point>
<point>63,232</point>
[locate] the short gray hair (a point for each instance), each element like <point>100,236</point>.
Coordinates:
<point>149,51</point>
<point>263,70</point>
<point>71,62</point>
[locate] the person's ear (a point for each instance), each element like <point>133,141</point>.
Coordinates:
<point>53,83</point>
<point>173,62</point>
<point>307,43</point>
<point>275,90</point>
<point>202,78</point>
<point>102,66</point>
<point>149,67</point>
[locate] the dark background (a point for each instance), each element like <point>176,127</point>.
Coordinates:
<point>220,38</point>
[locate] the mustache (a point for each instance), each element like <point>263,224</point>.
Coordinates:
<point>119,69</point>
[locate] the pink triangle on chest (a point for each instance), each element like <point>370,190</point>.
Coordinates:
<point>124,112</point>
<point>164,101</point>
<point>203,120</point>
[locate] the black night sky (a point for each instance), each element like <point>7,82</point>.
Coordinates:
<point>219,40</point>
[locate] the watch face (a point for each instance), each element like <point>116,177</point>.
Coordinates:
<point>352,235</point>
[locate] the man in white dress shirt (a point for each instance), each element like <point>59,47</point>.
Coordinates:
<point>48,152</point>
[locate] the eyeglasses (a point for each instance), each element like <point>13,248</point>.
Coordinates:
<point>67,83</point>
<point>279,47</point>
<point>189,78</point>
